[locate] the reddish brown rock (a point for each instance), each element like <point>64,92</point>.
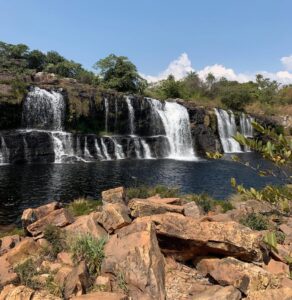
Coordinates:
<point>142,208</point>
<point>46,78</point>
<point>8,242</point>
<point>116,195</point>
<point>77,281</point>
<point>7,274</point>
<point>103,283</point>
<point>134,252</point>
<point>65,258</point>
<point>87,225</point>
<point>101,296</point>
<point>244,276</point>
<point>185,238</point>
<point>51,266</point>
<point>276,294</point>
<point>215,292</point>
<point>114,216</point>
<point>191,209</point>
<point>277,267</point>
<point>22,251</point>
<point>62,275</point>
<point>31,215</point>
<point>159,200</point>
<point>59,218</point>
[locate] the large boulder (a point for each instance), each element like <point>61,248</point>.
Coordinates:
<point>60,218</point>
<point>185,238</point>
<point>114,216</point>
<point>116,195</point>
<point>244,276</point>
<point>134,252</point>
<point>31,215</point>
<point>7,274</point>
<point>86,225</point>
<point>212,292</point>
<point>142,208</point>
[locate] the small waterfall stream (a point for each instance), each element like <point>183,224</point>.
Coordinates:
<point>131,115</point>
<point>4,152</point>
<point>175,119</point>
<point>106,110</point>
<point>227,129</point>
<point>104,149</point>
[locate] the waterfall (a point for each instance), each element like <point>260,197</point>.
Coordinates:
<point>175,119</point>
<point>245,125</point>
<point>106,109</point>
<point>86,150</point>
<point>4,152</point>
<point>119,153</point>
<point>98,151</point>
<point>227,129</point>
<point>104,150</point>
<point>58,148</point>
<point>131,115</point>
<point>146,150</point>
<point>43,110</point>
<point>137,148</point>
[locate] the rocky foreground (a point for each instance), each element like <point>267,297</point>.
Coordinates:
<point>155,248</point>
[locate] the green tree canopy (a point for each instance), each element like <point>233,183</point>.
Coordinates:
<point>119,73</point>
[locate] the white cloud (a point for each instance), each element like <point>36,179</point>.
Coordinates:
<point>178,68</point>
<point>183,65</point>
<point>287,62</point>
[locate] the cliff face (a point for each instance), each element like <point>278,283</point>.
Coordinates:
<point>101,124</point>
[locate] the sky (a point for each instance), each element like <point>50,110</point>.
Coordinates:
<point>232,38</point>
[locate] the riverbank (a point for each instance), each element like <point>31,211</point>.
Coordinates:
<point>153,248</point>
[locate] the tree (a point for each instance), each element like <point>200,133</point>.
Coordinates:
<point>170,88</point>
<point>267,89</point>
<point>53,57</point>
<point>120,74</point>
<point>236,97</point>
<point>191,85</point>
<point>36,60</point>
<point>18,51</point>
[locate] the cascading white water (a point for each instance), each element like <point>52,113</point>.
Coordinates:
<point>4,152</point>
<point>246,127</point>
<point>98,151</point>
<point>106,110</point>
<point>137,148</point>
<point>119,153</point>
<point>104,149</point>
<point>175,119</point>
<point>43,110</point>
<point>86,150</point>
<point>146,149</point>
<point>131,115</point>
<point>227,129</point>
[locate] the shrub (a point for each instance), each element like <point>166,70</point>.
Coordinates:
<point>280,237</point>
<point>27,271</point>
<point>83,206</point>
<point>146,191</point>
<point>91,250</point>
<point>56,238</point>
<point>255,221</point>
<point>13,231</point>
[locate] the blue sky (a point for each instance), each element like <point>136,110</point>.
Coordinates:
<point>229,37</point>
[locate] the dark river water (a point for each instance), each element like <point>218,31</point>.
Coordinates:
<point>23,186</point>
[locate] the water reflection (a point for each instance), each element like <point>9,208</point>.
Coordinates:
<point>23,186</point>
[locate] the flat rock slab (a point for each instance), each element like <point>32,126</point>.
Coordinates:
<point>31,215</point>
<point>60,218</point>
<point>244,276</point>
<point>114,216</point>
<point>185,238</point>
<point>101,296</point>
<point>8,242</point>
<point>87,225</point>
<point>134,252</point>
<point>116,195</point>
<point>142,208</point>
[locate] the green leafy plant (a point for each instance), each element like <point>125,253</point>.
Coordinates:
<point>255,221</point>
<point>147,191</point>
<point>270,240</point>
<point>56,238</point>
<point>91,250</point>
<point>122,282</point>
